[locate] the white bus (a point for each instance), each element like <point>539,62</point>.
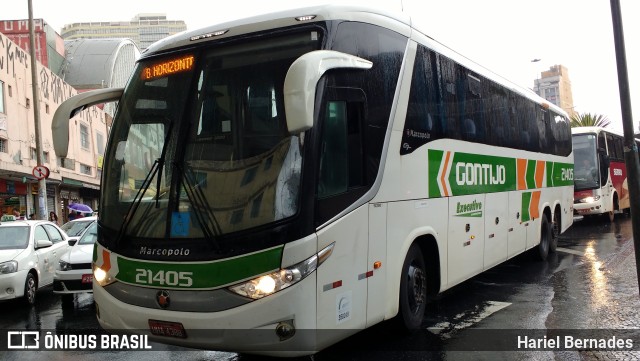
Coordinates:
<point>275,184</point>
<point>600,172</point>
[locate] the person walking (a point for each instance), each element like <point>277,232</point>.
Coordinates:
<point>53,217</point>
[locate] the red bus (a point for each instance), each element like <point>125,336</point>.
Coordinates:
<point>600,173</point>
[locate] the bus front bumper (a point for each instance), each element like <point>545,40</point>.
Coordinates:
<point>282,324</point>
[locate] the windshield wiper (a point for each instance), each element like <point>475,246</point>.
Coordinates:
<point>155,169</point>
<point>137,199</point>
<point>203,211</point>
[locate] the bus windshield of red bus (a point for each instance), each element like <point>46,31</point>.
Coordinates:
<point>586,169</point>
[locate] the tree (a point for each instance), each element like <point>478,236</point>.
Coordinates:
<point>589,120</point>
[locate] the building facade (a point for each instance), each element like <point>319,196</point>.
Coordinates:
<point>75,178</point>
<point>49,45</point>
<point>554,85</point>
<point>143,29</point>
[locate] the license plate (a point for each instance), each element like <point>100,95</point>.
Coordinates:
<point>166,328</point>
<point>88,278</point>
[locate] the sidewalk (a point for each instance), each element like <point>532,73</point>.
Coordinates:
<point>623,302</point>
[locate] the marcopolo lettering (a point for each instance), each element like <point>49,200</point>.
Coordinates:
<point>149,251</point>
<point>472,174</point>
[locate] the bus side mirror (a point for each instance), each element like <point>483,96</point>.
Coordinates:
<point>72,106</point>
<point>302,79</point>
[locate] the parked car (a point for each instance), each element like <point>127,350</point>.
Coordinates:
<point>74,274</point>
<point>29,253</point>
<point>77,227</point>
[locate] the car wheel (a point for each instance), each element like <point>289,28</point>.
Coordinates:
<point>413,289</point>
<point>30,287</point>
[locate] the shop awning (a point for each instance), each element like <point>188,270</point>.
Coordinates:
<point>71,182</point>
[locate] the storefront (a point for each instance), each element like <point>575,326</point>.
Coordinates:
<point>69,193</point>
<point>13,195</point>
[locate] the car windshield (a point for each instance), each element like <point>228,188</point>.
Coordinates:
<point>91,235</point>
<point>14,237</point>
<point>586,174</point>
<point>75,228</point>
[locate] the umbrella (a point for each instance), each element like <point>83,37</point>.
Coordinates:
<point>79,207</point>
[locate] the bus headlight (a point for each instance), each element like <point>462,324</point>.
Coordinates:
<point>591,199</point>
<point>271,283</point>
<point>101,276</point>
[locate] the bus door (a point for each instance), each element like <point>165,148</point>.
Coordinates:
<point>342,280</point>
<point>495,228</point>
<point>466,237</point>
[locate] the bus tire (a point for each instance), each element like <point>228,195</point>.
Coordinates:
<point>413,289</point>
<point>555,234</point>
<point>545,239</point>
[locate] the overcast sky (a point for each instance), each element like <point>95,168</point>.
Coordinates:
<point>502,35</point>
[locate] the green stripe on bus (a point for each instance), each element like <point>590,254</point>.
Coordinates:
<point>476,174</point>
<point>526,201</point>
<point>435,159</point>
<point>562,174</point>
<point>531,174</point>
<point>204,275</point>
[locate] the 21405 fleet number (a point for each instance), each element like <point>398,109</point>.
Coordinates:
<point>164,278</point>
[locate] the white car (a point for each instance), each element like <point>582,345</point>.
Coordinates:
<point>74,274</point>
<point>29,254</point>
<point>78,226</point>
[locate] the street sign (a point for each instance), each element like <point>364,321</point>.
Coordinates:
<point>40,172</point>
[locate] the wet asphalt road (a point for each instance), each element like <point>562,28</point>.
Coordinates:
<point>574,289</point>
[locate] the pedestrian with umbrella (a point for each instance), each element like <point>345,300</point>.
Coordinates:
<point>76,210</point>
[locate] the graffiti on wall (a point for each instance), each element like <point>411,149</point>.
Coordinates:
<point>10,54</point>
<point>53,88</point>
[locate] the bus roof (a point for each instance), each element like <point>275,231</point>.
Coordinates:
<point>583,130</point>
<point>396,21</point>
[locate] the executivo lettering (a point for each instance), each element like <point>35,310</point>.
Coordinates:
<point>468,207</point>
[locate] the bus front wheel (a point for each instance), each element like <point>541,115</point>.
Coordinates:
<point>413,289</point>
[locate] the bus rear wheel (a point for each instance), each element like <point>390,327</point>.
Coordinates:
<point>413,289</point>
<point>546,237</point>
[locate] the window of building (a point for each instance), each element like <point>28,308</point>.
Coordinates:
<point>66,163</point>
<point>84,136</point>
<point>100,143</point>
<point>28,103</point>
<point>46,108</point>
<point>34,155</point>
<point>1,96</point>
<point>85,169</point>
<point>9,91</point>
<point>3,145</point>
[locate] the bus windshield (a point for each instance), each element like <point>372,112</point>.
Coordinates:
<point>586,173</point>
<point>200,146</point>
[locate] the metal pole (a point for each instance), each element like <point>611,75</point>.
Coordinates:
<point>630,147</point>
<point>42,183</point>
